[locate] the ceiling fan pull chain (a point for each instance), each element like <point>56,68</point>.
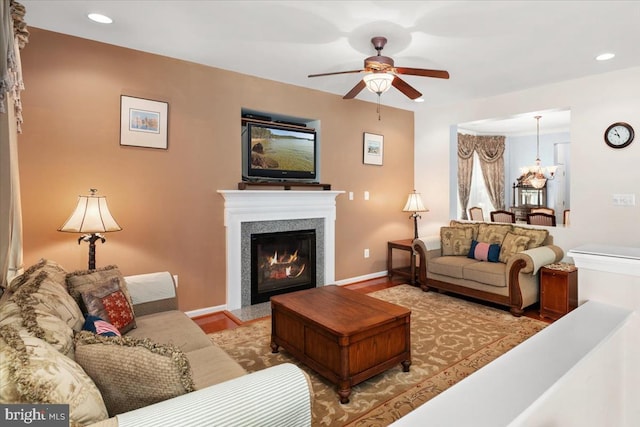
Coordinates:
<point>378,107</point>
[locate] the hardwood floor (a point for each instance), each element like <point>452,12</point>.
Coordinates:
<point>225,320</point>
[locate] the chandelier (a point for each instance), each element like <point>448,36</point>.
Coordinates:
<point>536,175</point>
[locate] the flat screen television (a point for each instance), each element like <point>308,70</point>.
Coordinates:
<point>280,153</point>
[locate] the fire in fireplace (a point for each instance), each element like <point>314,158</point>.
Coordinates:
<point>282,262</point>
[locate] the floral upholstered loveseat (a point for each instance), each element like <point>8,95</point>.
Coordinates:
<point>490,261</point>
<point>148,365</point>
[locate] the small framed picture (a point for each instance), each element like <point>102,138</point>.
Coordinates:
<point>373,149</point>
<point>143,122</point>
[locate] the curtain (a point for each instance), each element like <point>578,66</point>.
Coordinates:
<point>466,145</point>
<point>490,150</point>
<point>13,37</point>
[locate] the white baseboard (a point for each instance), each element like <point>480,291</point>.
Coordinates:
<point>361,278</point>
<point>210,310</point>
<point>206,310</point>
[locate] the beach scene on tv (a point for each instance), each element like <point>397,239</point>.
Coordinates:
<point>282,149</point>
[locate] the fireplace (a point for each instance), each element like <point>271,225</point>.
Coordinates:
<point>249,212</point>
<point>282,262</point>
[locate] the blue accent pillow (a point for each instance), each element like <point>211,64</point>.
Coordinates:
<point>99,326</point>
<point>484,251</point>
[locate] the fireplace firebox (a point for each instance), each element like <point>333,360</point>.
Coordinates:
<point>282,262</point>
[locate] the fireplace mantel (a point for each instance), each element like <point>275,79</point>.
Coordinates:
<point>266,205</point>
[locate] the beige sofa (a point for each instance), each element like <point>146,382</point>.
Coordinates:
<point>447,263</point>
<point>163,371</point>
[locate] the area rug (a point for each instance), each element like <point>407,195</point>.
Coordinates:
<point>450,339</point>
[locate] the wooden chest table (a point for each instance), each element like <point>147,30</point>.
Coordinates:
<point>343,335</point>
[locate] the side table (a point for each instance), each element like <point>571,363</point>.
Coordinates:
<point>404,271</point>
<point>558,290</point>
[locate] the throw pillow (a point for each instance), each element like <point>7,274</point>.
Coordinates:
<point>45,294</point>
<point>23,312</point>
<point>132,373</point>
<point>537,236</point>
<point>84,280</point>
<point>108,302</point>
<point>511,245</point>
<point>492,233</point>
<point>33,371</point>
<point>484,252</point>
<point>57,273</point>
<point>99,326</point>
<point>455,240</point>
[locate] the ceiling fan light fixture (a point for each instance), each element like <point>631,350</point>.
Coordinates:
<point>378,82</point>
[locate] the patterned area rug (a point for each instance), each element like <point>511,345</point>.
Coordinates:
<point>450,339</point>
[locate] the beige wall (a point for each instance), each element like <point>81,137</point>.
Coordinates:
<point>166,201</point>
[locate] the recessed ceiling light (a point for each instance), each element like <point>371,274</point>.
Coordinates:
<point>98,17</point>
<point>421,99</point>
<point>605,56</point>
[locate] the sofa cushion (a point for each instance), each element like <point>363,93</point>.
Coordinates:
<point>450,265</point>
<point>108,302</point>
<point>492,233</point>
<point>484,252</point>
<point>456,240</point>
<point>132,373</point>
<point>32,371</point>
<point>211,365</point>
<point>513,244</point>
<point>171,327</point>
<point>23,312</point>
<point>57,274</point>
<point>537,236</point>
<point>488,273</point>
<point>473,225</point>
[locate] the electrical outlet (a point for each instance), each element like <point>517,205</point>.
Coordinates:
<point>366,253</point>
<point>624,199</point>
<point>366,195</point>
<point>350,195</point>
<point>175,279</point>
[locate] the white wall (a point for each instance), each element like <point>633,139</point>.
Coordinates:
<point>597,171</point>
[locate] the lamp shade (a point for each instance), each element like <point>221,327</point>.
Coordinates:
<point>91,216</point>
<point>378,82</point>
<point>414,203</point>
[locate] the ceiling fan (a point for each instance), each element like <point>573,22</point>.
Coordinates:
<point>383,66</point>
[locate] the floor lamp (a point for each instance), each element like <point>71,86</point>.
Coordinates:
<point>414,204</point>
<point>92,217</point>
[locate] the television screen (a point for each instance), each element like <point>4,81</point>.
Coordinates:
<point>278,152</point>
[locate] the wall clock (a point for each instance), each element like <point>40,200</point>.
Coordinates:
<point>618,135</point>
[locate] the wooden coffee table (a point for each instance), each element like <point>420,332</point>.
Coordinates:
<point>343,335</point>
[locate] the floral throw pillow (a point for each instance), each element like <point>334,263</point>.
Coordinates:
<point>456,240</point>
<point>511,245</point>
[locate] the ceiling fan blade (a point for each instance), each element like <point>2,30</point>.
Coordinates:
<point>355,91</point>
<point>439,74</point>
<point>337,72</point>
<point>405,88</point>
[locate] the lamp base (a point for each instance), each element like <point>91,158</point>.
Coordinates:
<point>415,217</point>
<point>92,238</point>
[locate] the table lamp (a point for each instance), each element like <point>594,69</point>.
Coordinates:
<point>415,205</point>
<point>91,217</point>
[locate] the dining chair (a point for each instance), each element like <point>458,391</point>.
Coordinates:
<point>503,216</point>
<point>540,218</point>
<point>543,210</point>
<point>476,214</point>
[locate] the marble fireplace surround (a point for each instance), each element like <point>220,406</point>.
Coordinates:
<point>250,206</point>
